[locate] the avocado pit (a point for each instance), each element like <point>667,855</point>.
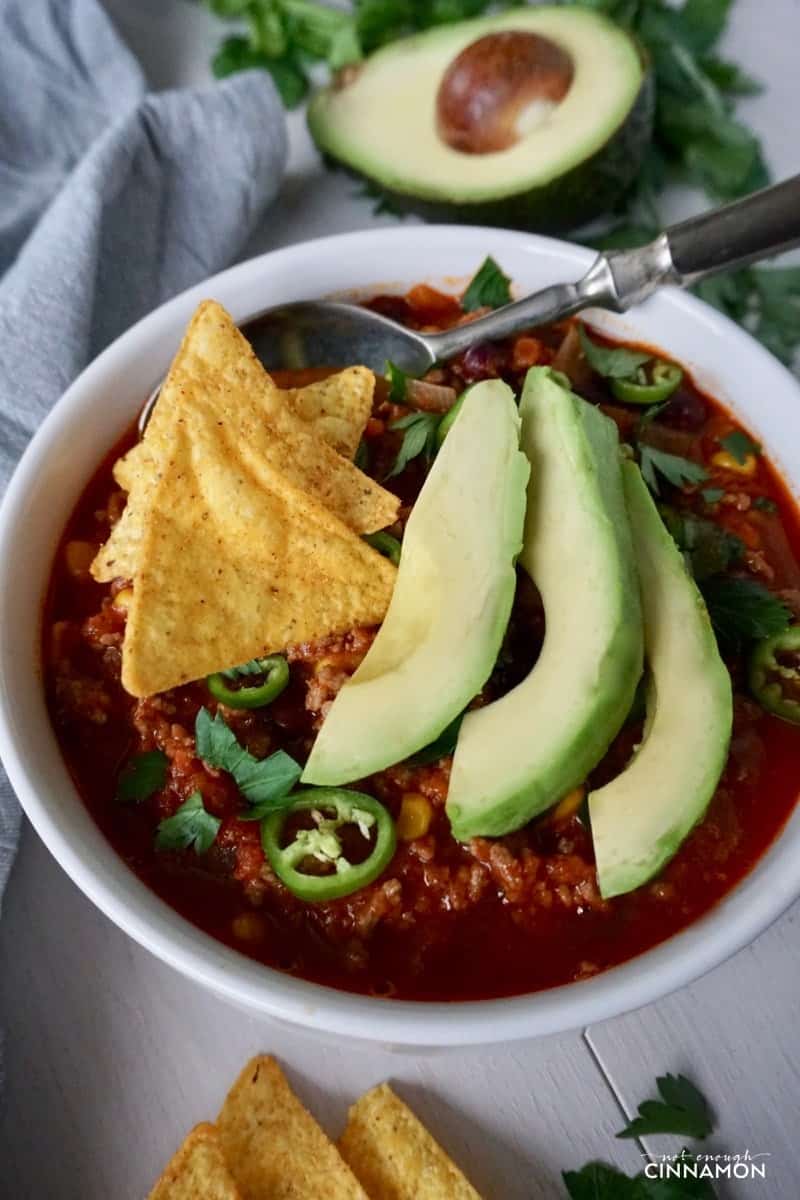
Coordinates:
<point>498,88</point>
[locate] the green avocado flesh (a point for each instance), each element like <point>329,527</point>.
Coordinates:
<point>521,754</point>
<point>640,819</point>
<point>571,162</point>
<point>451,602</point>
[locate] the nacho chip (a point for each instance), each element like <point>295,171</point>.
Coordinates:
<point>394,1156</point>
<point>236,563</point>
<point>274,1147</point>
<point>338,407</point>
<point>216,371</point>
<point>197,1171</point>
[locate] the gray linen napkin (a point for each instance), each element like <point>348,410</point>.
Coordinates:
<point>111,201</point>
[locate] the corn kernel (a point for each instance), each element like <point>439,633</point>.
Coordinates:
<point>78,557</point>
<point>415,817</point>
<point>123,599</point>
<point>248,927</point>
<point>726,462</point>
<point>569,805</point>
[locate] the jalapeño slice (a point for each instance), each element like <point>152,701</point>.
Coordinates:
<point>313,864</point>
<point>273,673</point>
<point>663,379</point>
<point>775,674</point>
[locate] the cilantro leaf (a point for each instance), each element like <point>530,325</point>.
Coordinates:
<point>729,77</point>
<point>419,437</point>
<point>598,1181</point>
<point>143,775</point>
<point>191,825</point>
<point>764,504</point>
<point>704,22</point>
<point>488,288</point>
<point>264,783</point>
<point>398,383</point>
<point>776,309</point>
<point>709,548</point>
<point>678,471</point>
<point>681,1109</point>
<point>361,459</point>
<point>615,362</point>
<point>739,445</point>
<point>712,495</point>
<point>766,300</point>
<point>742,610</point>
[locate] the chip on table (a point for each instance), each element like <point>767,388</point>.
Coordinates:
<point>274,1147</point>
<point>197,1171</point>
<point>394,1156</point>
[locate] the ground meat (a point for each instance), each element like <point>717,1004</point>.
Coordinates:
<point>82,698</point>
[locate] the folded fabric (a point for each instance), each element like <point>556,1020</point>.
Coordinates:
<point>111,201</point>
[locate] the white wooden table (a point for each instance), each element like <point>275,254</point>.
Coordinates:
<point>111,1056</point>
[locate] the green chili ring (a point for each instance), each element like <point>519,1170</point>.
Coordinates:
<point>347,877</point>
<point>275,670</point>
<point>665,376</point>
<point>766,673</point>
<point>385,544</point>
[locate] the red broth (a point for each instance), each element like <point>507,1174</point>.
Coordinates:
<point>497,917</point>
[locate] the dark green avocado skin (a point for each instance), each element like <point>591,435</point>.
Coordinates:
<point>589,190</point>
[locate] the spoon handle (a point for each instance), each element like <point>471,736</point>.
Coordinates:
<point>735,235</point>
<point>754,228</point>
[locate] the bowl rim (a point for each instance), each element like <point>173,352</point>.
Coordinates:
<point>732,923</point>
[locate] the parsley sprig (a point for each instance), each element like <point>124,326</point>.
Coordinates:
<point>658,464</point>
<point>191,825</point>
<point>419,437</point>
<point>143,776</point>
<point>612,362</point>
<point>490,287</point>
<point>739,445</point>
<point>742,611</point>
<point>680,1109</point>
<point>264,783</point>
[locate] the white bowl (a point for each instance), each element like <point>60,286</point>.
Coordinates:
<point>87,421</point>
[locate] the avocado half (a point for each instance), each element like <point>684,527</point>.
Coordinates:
<point>572,160</point>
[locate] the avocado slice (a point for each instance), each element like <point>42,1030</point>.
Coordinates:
<point>519,755</point>
<point>572,157</point>
<point>640,818</point>
<point>451,603</point>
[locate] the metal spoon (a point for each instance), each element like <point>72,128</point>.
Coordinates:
<point>314,333</point>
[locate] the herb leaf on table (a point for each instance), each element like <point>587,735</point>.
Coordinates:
<point>682,1109</point>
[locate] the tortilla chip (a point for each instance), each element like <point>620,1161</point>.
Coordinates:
<point>197,1171</point>
<point>338,407</point>
<point>216,371</point>
<point>274,1147</point>
<point>394,1156</point>
<point>236,563</point>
